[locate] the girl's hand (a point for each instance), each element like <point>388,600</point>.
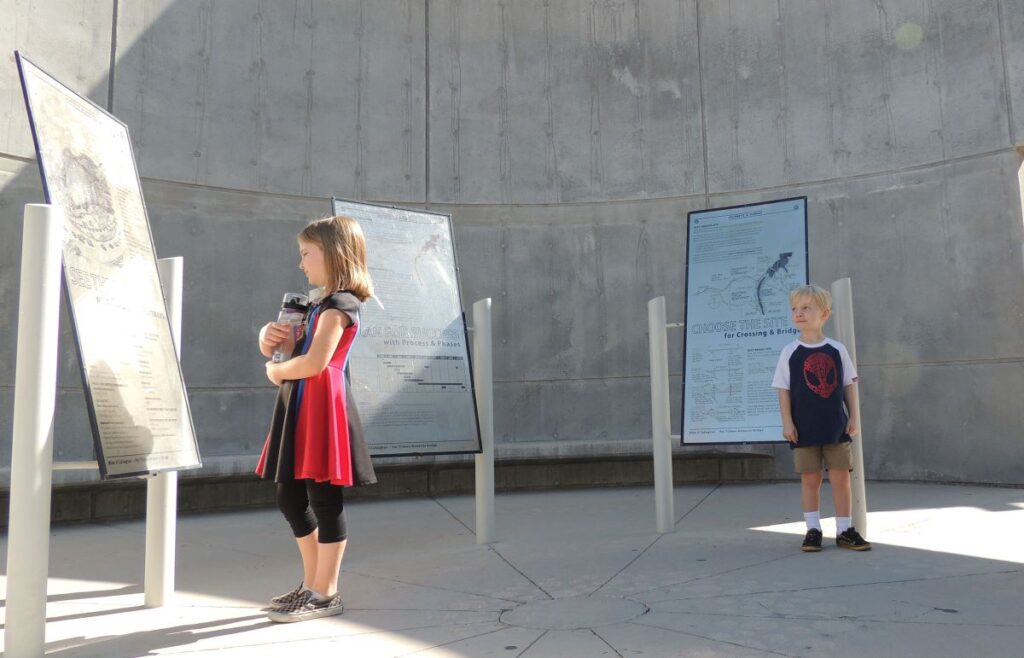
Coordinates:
<point>272,375</point>
<point>275,336</point>
<point>851,427</point>
<point>789,431</point>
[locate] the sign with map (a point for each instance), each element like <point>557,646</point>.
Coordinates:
<point>132,379</point>
<point>409,367</point>
<point>741,263</point>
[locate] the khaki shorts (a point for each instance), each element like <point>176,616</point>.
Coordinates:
<point>834,455</point>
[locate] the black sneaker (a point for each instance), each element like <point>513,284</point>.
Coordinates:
<point>285,599</point>
<point>852,540</point>
<point>307,607</point>
<point>812,541</point>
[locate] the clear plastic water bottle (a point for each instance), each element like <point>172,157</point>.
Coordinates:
<point>293,312</point>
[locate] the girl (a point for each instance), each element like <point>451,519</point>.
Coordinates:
<point>315,446</point>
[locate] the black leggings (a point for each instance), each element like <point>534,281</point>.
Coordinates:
<point>308,505</point>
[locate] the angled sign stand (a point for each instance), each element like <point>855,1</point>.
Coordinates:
<point>130,370</point>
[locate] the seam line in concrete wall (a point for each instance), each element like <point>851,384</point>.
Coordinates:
<point>856,177</point>
<point>605,202</point>
<point>907,364</point>
<point>790,186</point>
<point>113,58</point>
<point>1006,72</point>
<point>191,389</point>
<point>571,379</point>
<point>754,190</point>
<point>426,103</point>
<point>20,158</point>
<point>951,362</point>
<point>677,375</point>
<point>703,114</point>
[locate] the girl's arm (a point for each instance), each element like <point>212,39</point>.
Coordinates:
<point>329,329</point>
<point>786,407</point>
<point>850,398</point>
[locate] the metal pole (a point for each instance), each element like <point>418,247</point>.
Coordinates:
<point>162,489</point>
<point>842,306</point>
<point>483,377</point>
<point>661,419</point>
<point>35,393</point>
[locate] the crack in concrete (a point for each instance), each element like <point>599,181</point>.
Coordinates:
<point>609,644</point>
<point>493,550</point>
<point>828,587</point>
<point>716,640</point>
<point>843,618</point>
<point>434,587</point>
<point>530,645</point>
<point>713,575</point>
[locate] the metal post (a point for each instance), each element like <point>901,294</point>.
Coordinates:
<point>842,308</point>
<point>661,420</point>
<point>483,377</point>
<point>35,393</point>
<point>162,489</point>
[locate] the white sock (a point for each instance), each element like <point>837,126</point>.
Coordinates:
<point>842,523</point>
<point>813,520</point>
<point>319,598</point>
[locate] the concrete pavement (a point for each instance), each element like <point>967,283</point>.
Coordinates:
<point>574,573</point>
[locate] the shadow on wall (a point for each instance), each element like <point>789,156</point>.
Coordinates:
<point>239,146</point>
<point>209,122</point>
<point>570,143</point>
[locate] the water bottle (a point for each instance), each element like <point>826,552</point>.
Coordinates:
<point>293,312</point>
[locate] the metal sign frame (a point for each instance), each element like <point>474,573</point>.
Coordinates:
<point>337,208</point>
<point>774,337</point>
<point>108,469</point>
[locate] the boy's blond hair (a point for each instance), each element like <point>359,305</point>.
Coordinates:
<point>821,297</point>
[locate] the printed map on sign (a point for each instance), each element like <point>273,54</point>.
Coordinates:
<point>742,262</point>
<point>759,286</point>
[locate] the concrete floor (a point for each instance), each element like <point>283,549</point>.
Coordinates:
<point>574,573</point>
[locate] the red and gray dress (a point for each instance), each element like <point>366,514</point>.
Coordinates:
<point>315,432</point>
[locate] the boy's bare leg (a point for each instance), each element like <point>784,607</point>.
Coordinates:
<point>839,479</point>
<point>308,549</point>
<point>810,491</point>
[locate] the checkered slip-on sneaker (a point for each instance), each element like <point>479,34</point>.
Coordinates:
<point>852,540</point>
<point>812,541</point>
<point>285,599</point>
<point>307,607</point>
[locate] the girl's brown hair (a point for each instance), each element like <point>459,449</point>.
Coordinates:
<point>344,246</point>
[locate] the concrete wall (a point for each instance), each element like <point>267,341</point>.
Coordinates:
<point>568,140</point>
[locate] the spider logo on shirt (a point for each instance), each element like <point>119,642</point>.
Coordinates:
<point>820,374</point>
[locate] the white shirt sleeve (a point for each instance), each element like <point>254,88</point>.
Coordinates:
<point>849,371</point>
<point>781,378</point>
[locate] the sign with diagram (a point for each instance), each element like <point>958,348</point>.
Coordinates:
<point>409,367</point>
<point>132,379</point>
<point>741,263</point>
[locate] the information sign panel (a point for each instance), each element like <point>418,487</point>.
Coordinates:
<point>132,379</point>
<point>409,368</point>
<point>741,263</point>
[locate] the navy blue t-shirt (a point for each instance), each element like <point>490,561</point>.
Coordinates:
<point>815,376</point>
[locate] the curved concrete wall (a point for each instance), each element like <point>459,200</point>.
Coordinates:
<point>568,140</point>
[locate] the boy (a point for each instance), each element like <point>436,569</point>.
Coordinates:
<point>814,377</point>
